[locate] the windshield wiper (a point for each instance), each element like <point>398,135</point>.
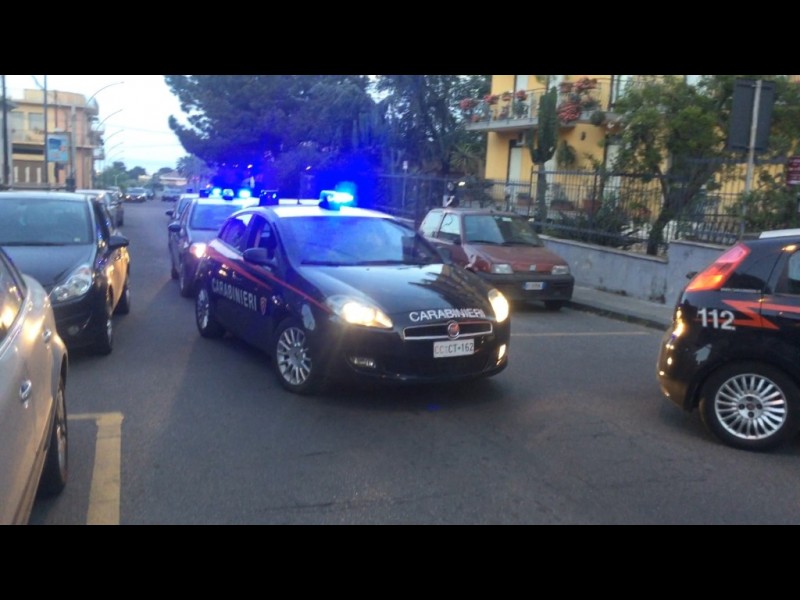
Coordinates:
<point>321,263</point>
<point>522,242</point>
<point>482,242</point>
<point>32,244</point>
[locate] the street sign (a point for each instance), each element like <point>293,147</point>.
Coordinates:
<point>793,170</point>
<point>741,125</point>
<point>58,148</point>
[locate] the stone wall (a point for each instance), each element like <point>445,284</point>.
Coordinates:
<point>651,278</point>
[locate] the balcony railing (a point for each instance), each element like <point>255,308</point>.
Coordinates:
<point>577,101</point>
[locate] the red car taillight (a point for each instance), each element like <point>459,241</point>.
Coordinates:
<point>716,274</point>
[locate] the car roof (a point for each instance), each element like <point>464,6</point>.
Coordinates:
<point>780,233</point>
<point>468,210</point>
<point>44,195</point>
<point>303,210</point>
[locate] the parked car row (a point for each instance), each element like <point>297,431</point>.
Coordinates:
<point>33,410</point>
<point>114,202</point>
<point>64,274</point>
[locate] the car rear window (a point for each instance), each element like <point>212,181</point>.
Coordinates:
<point>43,222</point>
<point>211,216</point>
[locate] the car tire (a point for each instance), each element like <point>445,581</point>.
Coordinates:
<point>124,304</point>
<point>554,305</point>
<point>55,471</point>
<point>184,281</point>
<point>750,406</point>
<point>207,324</point>
<point>292,359</point>
<point>105,341</point>
<point>173,272</point>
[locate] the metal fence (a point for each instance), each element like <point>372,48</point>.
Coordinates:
<point>614,209</point>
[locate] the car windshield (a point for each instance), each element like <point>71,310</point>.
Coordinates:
<point>211,216</point>
<point>351,241</point>
<point>44,222</point>
<point>500,230</point>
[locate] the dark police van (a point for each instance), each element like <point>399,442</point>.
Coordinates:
<point>330,290</point>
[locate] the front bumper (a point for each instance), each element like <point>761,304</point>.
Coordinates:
<point>82,321</point>
<point>531,287</point>
<point>387,355</point>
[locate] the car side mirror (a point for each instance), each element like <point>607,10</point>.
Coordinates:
<point>174,227</point>
<point>691,274</point>
<point>446,254</point>
<point>117,241</point>
<point>169,213</point>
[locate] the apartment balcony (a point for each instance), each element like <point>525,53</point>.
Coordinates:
<point>580,101</point>
<point>27,136</point>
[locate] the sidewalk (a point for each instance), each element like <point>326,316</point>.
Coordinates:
<point>650,314</point>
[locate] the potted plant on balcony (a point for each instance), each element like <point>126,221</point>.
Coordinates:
<point>467,106</point>
<point>520,104</point>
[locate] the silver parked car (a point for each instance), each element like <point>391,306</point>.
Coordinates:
<point>114,203</point>
<point>33,413</point>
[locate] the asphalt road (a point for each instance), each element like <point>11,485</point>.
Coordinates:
<point>172,428</point>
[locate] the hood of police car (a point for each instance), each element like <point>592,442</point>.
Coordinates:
<point>401,289</point>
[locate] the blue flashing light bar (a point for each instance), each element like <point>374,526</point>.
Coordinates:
<point>333,199</point>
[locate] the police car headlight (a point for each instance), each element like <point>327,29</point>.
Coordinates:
<point>499,305</point>
<point>198,249</point>
<point>358,312</point>
<point>561,270</point>
<point>502,268</point>
<point>77,284</point>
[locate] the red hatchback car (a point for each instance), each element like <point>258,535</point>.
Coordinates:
<point>504,249</point>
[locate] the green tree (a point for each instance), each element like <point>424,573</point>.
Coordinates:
<point>240,120</point>
<point>114,175</point>
<point>195,170</point>
<point>676,132</point>
<point>136,172</point>
<point>424,122</point>
<point>542,143</point>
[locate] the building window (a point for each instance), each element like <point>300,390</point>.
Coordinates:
<point>36,121</point>
<point>17,121</point>
<point>27,174</point>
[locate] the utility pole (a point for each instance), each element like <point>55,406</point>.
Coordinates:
<point>6,145</point>
<point>46,147</point>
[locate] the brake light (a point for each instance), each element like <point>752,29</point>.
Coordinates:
<point>716,274</point>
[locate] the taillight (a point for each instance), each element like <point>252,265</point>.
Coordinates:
<point>716,274</point>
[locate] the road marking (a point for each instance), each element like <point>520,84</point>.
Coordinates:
<point>588,333</point>
<point>104,495</point>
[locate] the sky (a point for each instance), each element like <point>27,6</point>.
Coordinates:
<point>134,114</point>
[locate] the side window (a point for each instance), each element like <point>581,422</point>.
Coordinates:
<point>233,232</point>
<point>793,274</point>
<point>430,225</point>
<point>103,218</point>
<point>263,236</point>
<point>451,228</point>
<point>12,296</point>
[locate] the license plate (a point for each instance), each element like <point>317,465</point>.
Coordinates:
<point>448,348</point>
<point>533,285</point>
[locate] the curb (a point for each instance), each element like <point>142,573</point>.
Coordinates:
<point>618,315</point>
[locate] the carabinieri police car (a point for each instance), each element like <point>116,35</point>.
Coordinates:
<point>330,290</point>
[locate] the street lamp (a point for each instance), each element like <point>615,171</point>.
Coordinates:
<point>71,179</point>
<point>101,89</point>
<point>107,118</point>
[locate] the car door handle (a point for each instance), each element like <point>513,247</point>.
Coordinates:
<point>47,335</point>
<point>25,390</point>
